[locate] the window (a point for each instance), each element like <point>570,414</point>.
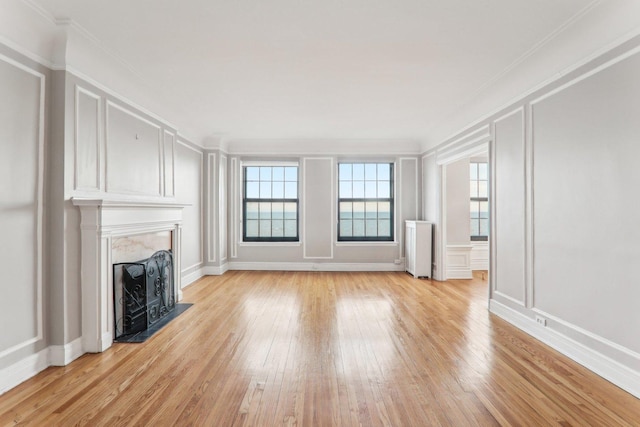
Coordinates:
<point>270,204</point>
<point>365,201</point>
<point>479,204</point>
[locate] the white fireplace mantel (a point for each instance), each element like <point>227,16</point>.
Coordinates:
<point>101,220</point>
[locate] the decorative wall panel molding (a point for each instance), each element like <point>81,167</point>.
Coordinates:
<point>508,205</point>
<point>234,196</point>
<point>407,203</point>
<point>190,191</point>
<point>459,262</point>
<point>169,154</point>
<point>212,219</point>
<point>467,145</point>
<point>318,213</point>
<point>222,208</point>
<point>22,130</point>
<point>88,141</point>
<point>134,160</point>
<point>479,255</point>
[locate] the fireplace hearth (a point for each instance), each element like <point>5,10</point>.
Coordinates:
<point>144,294</point>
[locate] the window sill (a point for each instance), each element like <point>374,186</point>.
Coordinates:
<point>367,243</point>
<point>270,243</point>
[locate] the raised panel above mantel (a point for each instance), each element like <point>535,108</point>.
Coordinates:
<point>134,153</point>
<point>117,150</point>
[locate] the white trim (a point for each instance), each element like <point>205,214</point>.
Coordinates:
<point>39,196</point>
<point>310,147</point>
<point>234,196</point>
<point>529,209</point>
<point>212,220</point>
<point>492,220</point>
<point>274,163</point>
<point>69,23</point>
<point>22,344</point>
<point>620,375</point>
<point>312,266</point>
<point>223,201</point>
<point>188,279</point>
<point>513,300</point>
<point>586,75</point>
<point>215,271</point>
<point>115,95</point>
<point>441,242</point>
<point>422,187</point>
<point>191,267</point>
<point>605,342</point>
<point>172,177</point>
<point>367,243</point>
<point>201,195</point>
<point>493,202</point>
<point>464,140</point>
<point>40,209</point>
<point>398,235</point>
<point>62,355</point>
<point>24,369</point>
<point>159,143</point>
<point>26,53</point>
<point>76,178</point>
<point>272,244</point>
<point>472,148</point>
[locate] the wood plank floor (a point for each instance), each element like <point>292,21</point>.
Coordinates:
<point>325,349</point>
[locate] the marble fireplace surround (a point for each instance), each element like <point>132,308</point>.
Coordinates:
<point>101,221</point>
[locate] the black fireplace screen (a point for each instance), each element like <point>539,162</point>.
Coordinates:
<point>143,293</point>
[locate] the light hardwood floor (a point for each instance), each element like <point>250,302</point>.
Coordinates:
<point>325,349</point>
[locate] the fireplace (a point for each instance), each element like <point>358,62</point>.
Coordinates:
<point>143,293</point>
<point>104,223</point>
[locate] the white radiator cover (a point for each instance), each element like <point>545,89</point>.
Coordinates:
<point>418,248</point>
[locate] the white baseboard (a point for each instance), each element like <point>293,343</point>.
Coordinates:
<point>621,375</point>
<point>215,271</point>
<point>62,355</point>
<point>22,370</point>
<point>188,279</point>
<point>311,266</point>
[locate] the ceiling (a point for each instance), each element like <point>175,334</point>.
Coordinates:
<point>316,69</point>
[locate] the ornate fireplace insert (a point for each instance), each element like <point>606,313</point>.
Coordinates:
<point>143,293</point>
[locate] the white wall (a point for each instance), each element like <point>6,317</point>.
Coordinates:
<point>189,175</point>
<point>22,141</point>
<point>458,222</point>
<point>318,248</point>
<point>564,221</point>
<point>432,201</point>
<point>585,180</point>
<point>61,137</point>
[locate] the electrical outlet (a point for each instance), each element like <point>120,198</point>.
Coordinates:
<point>541,320</point>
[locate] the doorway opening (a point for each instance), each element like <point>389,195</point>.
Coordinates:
<point>465,215</point>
